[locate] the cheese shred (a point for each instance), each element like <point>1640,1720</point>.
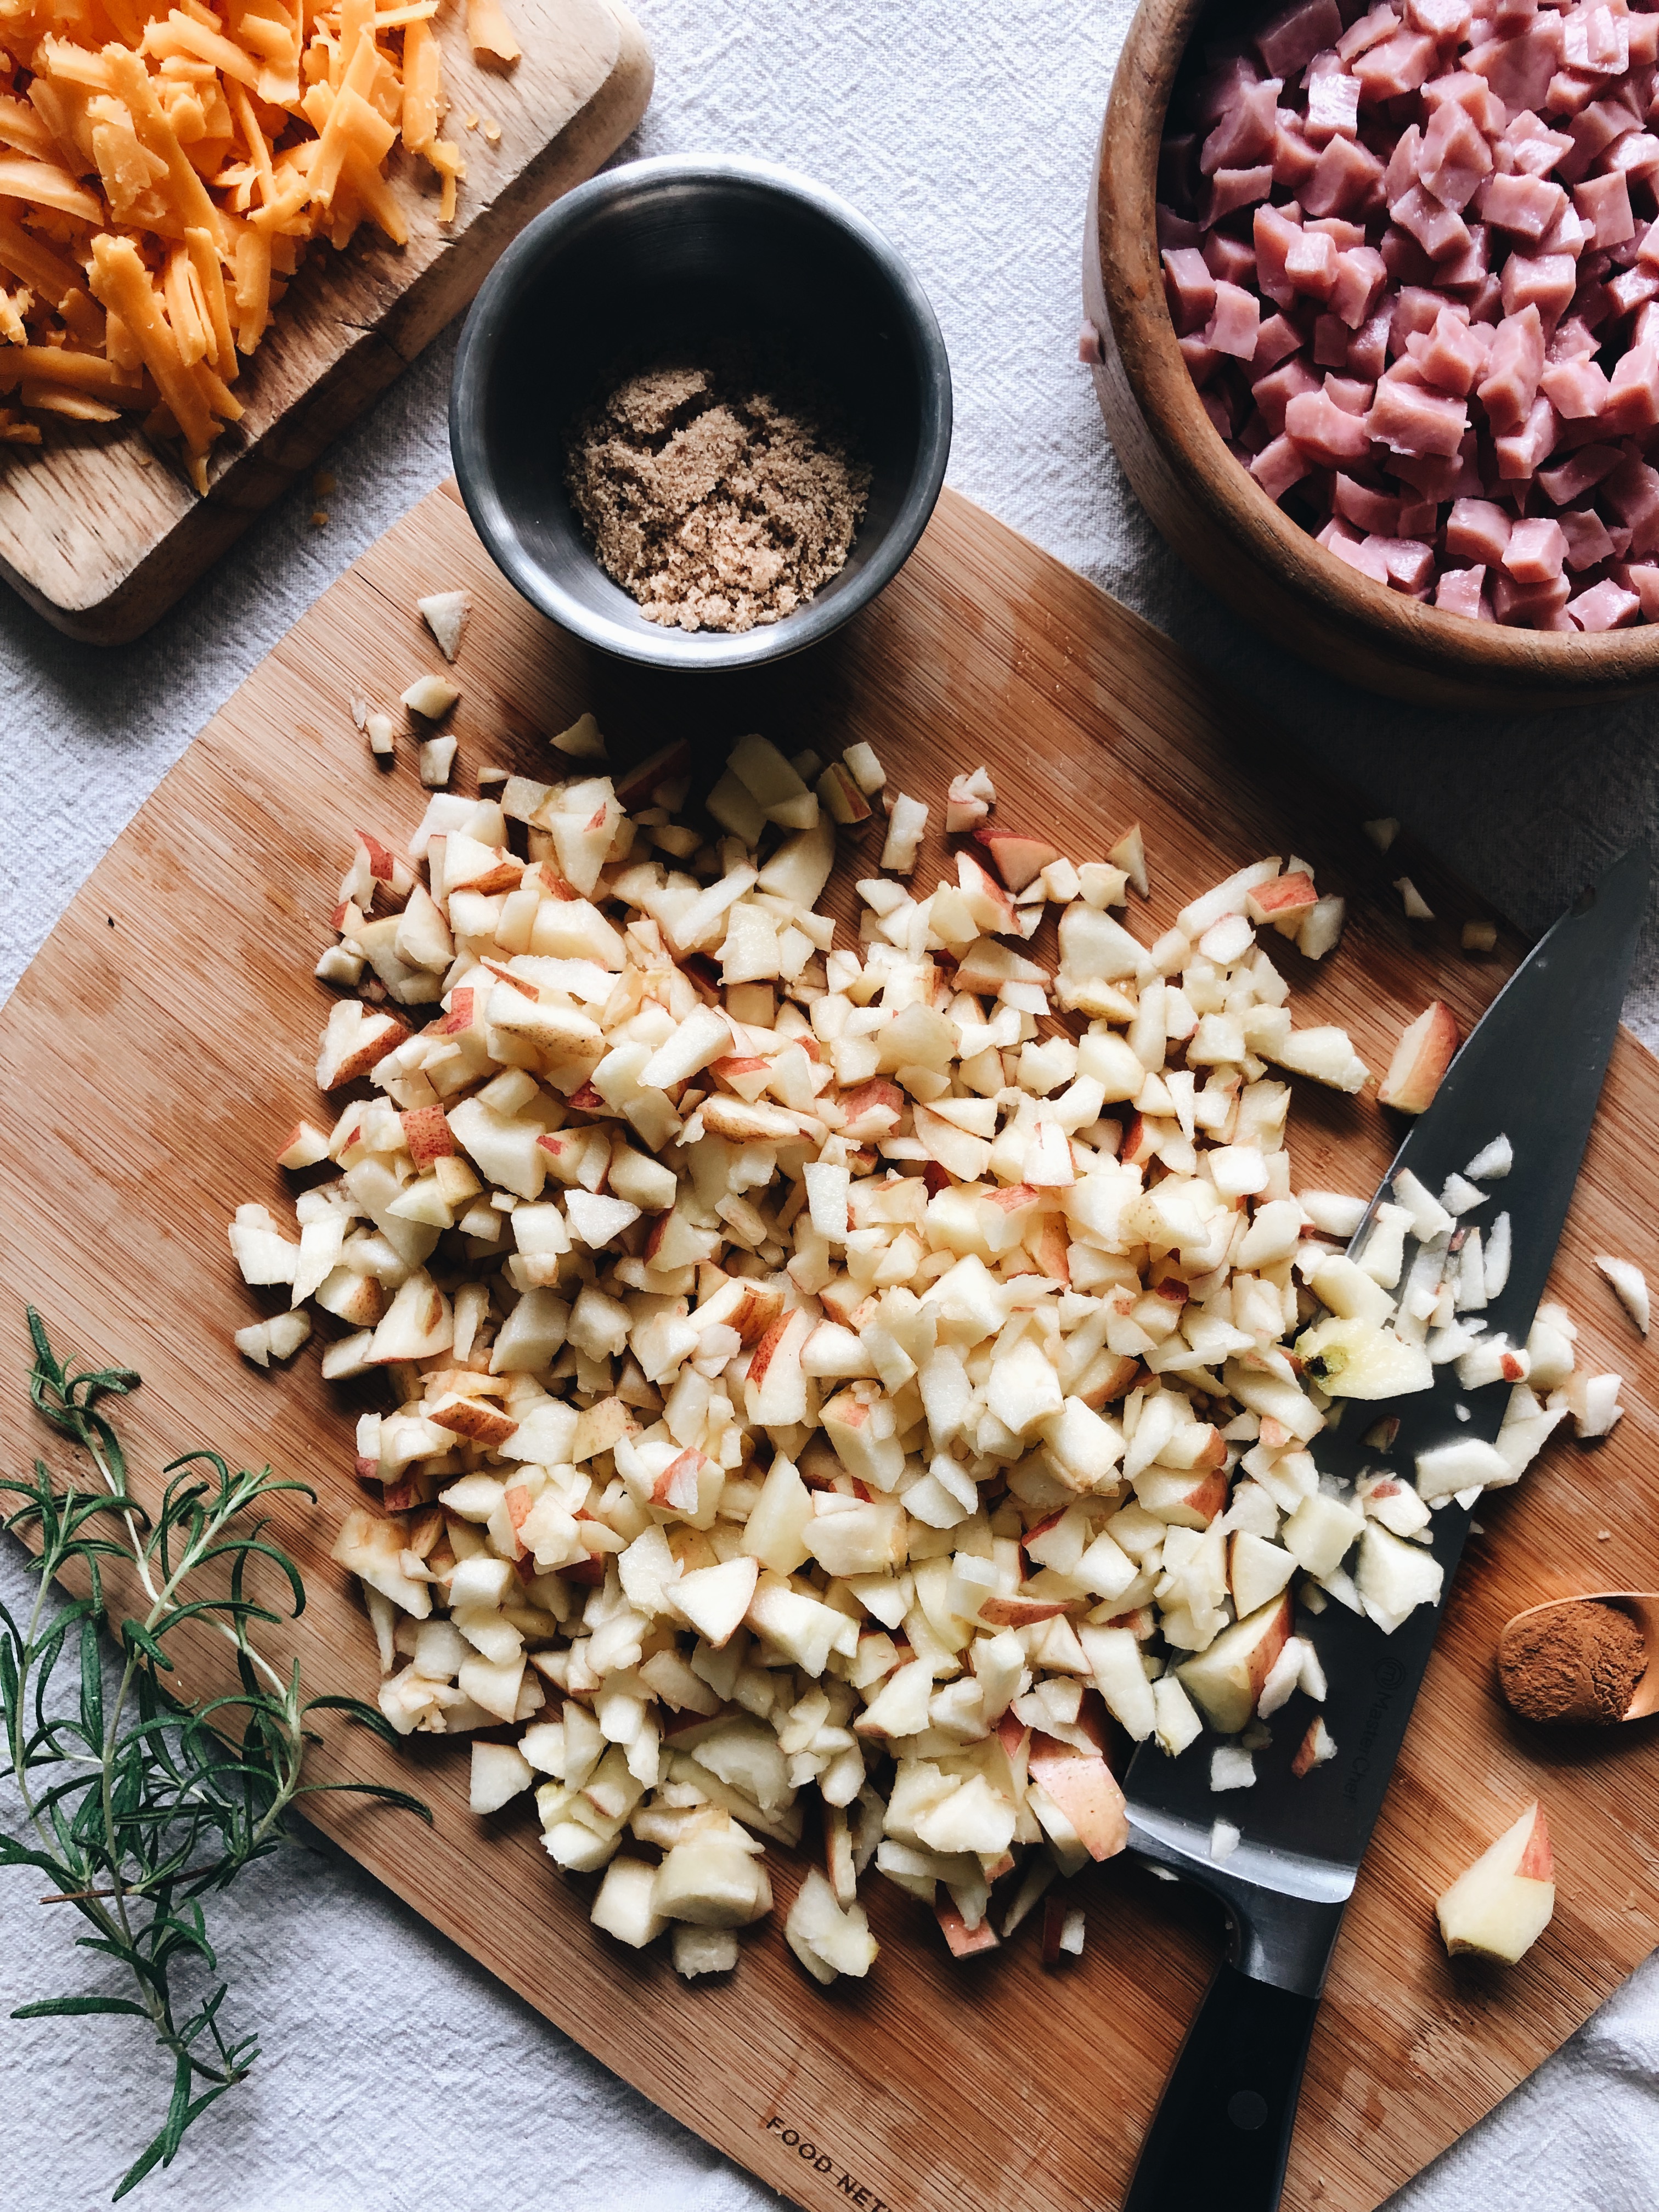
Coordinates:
<point>160,187</point>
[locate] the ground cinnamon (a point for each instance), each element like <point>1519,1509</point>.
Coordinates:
<point>1577,1661</point>
<point>719,495</point>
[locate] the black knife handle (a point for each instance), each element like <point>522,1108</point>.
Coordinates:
<point>1221,2134</point>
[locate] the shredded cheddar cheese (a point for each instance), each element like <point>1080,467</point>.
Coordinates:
<point>162,175</point>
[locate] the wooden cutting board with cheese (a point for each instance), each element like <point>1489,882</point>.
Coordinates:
<point>162,1045</point>
<point>102,531</point>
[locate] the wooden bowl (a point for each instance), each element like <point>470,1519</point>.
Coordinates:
<point>1226,529</point>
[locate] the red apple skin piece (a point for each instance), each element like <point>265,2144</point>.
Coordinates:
<point>1287,898</point>
<point>704,977</point>
<point>964,1942</point>
<point>1013,1198</point>
<point>381,864</point>
<point>478,1418</point>
<point>1112,1386</point>
<point>400,1496</point>
<point>426,1132</point>
<point>1307,1751</point>
<point>1421,1058</point>
<point>1018,1612</point>
<point>879,1097</point>
<point>459,1016</point>
<point>1139,1142</point>
<point>1086,1792</point>
<point>1537,1861</point>
<point>676,1486</point>
<point>634,789</point>
<point>767,1348</point>
<point>1018,859</point>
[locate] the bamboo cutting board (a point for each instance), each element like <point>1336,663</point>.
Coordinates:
<point>102,533</point>
<point>159,1047</point>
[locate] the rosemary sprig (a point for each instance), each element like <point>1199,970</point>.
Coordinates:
<point>139,1803</point>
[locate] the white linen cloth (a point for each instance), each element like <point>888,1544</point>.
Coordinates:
<point>397,2073</point>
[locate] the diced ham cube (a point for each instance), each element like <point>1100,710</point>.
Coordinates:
<point>1633,402</point>
<point>1332,107</point>
<point>1419,518</point>
<point>1331,340</point>
<point>1452,355</point>
<point>1605,606</point>
<point>1572,340</point>
<point>1568,233</point>
<point>1291,38</point>
<point>1645,582</point>
<point>1174,230</point>
<point>1189,288</point>
<point>1570,91</point>
<point>1632,492</point>
<point>1477,530</point>
<point>1443,20</point>
<point>1455,157</point>
<point>1243,135</point>
<point>1593,130</point>
<point>1519,70</point>
<point>1589,466</point>
<point>1294,158</point>
<point>1530,147</point>
<point>1349,394</point>
<point>1436,228</point>
<point>1201,363</point>
<point>1229,259</point>
<point>1280,463</point>
<point>1464,271</point>
<point>1595,39</point>
<point>1232,189</point>
<point>1604,203</point>
<point>1510,383</point>
<point>1409,562</point>
<point>1223,85</point>
<point>1368,349</point>
<point>1458,591</point>
<point>1526,206</point>
<point>1544,281</point>
<point>1233,326</point>
<point>1369,31</point>
<point>1278,337</point>
<point>1412,420</point>
<point>1403,164</point>
<point>1415,308</point>
<point>1346,176</point>
<point>1588,541</point>
<point>1324,432</point>
<point>1536,551</point>
<point>1520,453</point>
<point>1396,67</point>
<point>1637,155</point>
<point>1274,235</point>
<point>1575,389</point>
<point>1529,606</point>
<point>1373,512</point>
<point>1310,264</point>
<point>1630,289</point>
<point>1360,276</point>
<point>1365,554</point>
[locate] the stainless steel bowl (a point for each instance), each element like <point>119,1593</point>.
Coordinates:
<point>622,267</point>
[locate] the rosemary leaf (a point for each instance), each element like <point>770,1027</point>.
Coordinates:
<point>139,1803</point>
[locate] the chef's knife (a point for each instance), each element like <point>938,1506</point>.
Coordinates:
<point>1532,1070</point>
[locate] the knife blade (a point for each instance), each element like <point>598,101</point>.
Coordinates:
<point>1532,1069</point>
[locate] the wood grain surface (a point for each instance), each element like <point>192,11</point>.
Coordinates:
<point>102,531</point>
<point>1240,543</point>
<point>160,1045</point>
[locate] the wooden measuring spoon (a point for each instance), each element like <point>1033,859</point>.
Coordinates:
<point>1643,1606</point>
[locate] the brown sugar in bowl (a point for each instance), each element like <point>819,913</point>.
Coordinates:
<point>1229,534</point>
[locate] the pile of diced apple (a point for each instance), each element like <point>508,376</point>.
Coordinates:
<point>859,1371</point>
